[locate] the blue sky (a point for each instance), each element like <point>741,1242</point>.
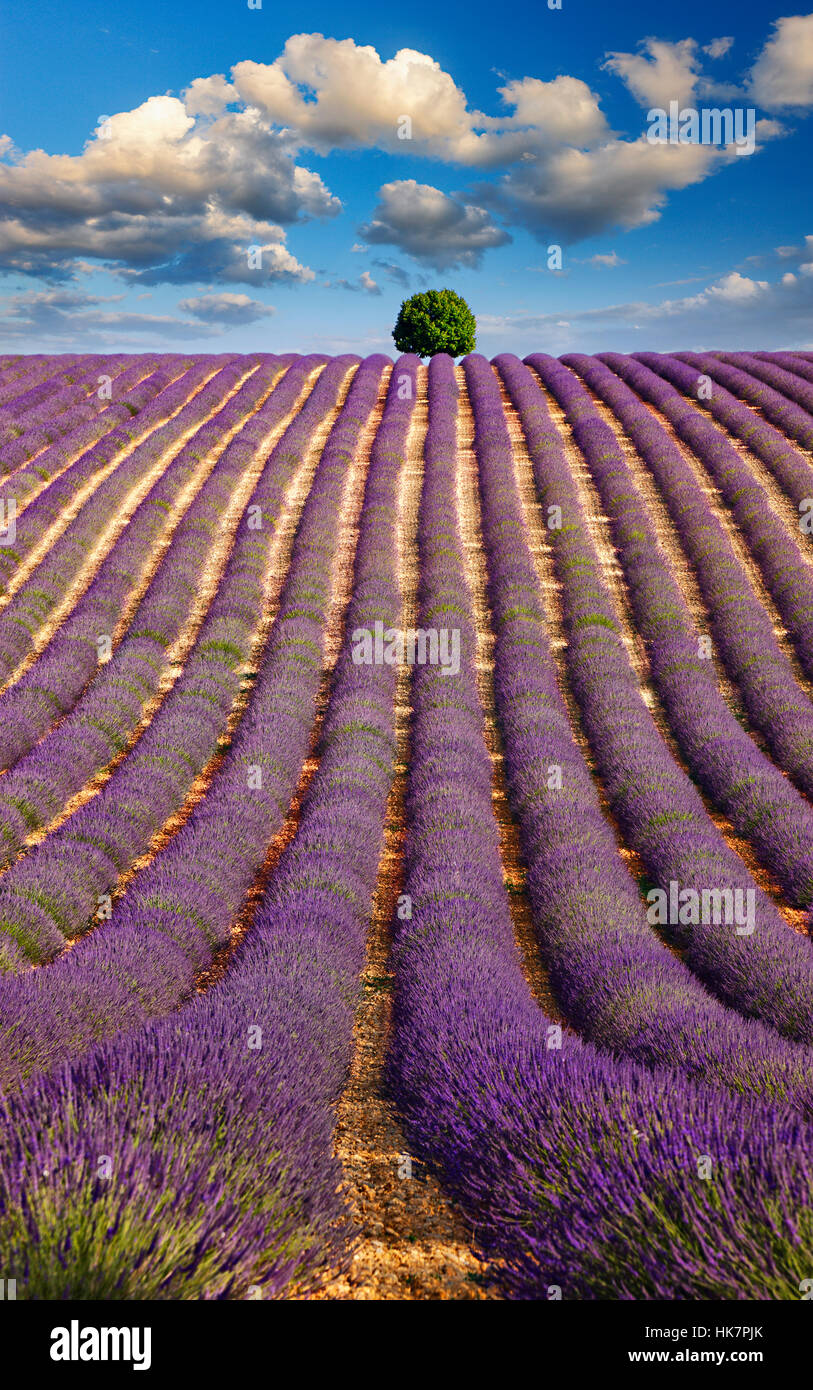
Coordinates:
<point>146,148</point>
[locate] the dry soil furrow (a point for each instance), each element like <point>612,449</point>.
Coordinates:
<point>412,1243</point>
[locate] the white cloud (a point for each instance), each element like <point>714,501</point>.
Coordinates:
<point>165,195</point>
<point>431,226</point>
<point>736,288</point>
<point>661,73</point>
<point>610,258</point>
<point>365,284</point>
<point>226,308</point>
<point>769,129</point>
<point>177,190</point>
<point>718,47</point>
<point>579,193</point>
<point>782,76</point>
<point>335,93</point>
<point>209,96</point>
<point>562,111</point>
<point>802,254</point>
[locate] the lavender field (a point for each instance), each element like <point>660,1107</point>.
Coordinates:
<point>406,827</point>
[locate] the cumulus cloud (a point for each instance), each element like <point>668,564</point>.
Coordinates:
<point>564,110</point>
<point>782,76</point>
<point>718,47</point>
<point>226,309</point>
<point>736,288</point>
<point>209,96</point>
<point>580,193</point>
<point>165,195</point>
<point>660,73</point>
<point>431,226</point>
<point>201,190</point>
<point>335,93</point>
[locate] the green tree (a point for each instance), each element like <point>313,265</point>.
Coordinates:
<point>435,321</point>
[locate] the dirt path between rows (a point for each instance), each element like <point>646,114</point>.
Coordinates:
<point>413,1244</point>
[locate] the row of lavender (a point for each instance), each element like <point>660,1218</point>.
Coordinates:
<point>763,970</point>
<point>84,394</point>
<point>738,778</point>
<point>100,702</point>
<point>32,603</point>
<point>49,689</point>
<point>53,892</point>
<point>778,553</point>
<point>465,967</point>
<point>107,982</point>
<point>231,1101</point>
<point>743,631</point>
<point>81,435</point>
<point>620,986</point>
<point>580,1173</point>
<point>158,399</point>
